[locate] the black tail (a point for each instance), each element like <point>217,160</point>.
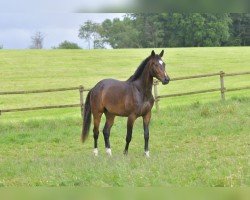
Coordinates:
<point>87,118</point>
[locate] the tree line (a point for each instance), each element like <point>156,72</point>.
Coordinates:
<point>143,30</point>
<point>153,30</point>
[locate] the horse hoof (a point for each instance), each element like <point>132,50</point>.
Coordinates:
<point>108,151</point>
<point>95,152</point>
<point>146,153</point>
<point>125,152</point>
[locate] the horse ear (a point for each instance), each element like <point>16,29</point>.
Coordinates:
<point>161,54</point>
<point>153,53</point>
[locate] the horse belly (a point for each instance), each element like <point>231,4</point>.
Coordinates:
<point>114,101</point>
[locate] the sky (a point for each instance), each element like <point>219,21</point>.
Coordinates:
<point>58,20</point>
<point>16,28</point>
<point>60,5</point>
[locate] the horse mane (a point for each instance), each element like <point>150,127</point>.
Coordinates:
<point>139,70</point>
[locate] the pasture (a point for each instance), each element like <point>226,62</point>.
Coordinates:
<point>194,140</point>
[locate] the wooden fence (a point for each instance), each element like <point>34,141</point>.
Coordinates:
<point>81,104</point>
<point>222,88</point>
<point>81,89</point>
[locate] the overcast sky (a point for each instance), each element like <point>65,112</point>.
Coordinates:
<point>57,19</point>
<point>16,28</point>
<point>60,5</point>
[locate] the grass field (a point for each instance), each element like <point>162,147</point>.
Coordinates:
<point>195,140</point>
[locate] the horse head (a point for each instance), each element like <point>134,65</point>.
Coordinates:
<point>158,67</point>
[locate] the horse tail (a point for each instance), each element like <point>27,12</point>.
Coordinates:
<point>86,118</point>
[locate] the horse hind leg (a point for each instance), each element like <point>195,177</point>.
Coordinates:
<point>97,119</point>
<point>106,131</point>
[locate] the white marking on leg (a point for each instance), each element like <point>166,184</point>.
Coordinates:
<point>95,152</point>
<point>147,154</point>
<point>108,151</point>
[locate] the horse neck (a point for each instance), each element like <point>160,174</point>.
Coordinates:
<point>145,82</point>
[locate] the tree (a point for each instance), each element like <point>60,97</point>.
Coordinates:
<point>99,44</point>
<point>239,29</point>
<point>166,29</point>
<point>150,29</point>
<point>195,29</point>
<point>37,40</point>
<point>68,45</point>
<point>1,46</point>
<point>147,30</point>
<point>120,33</point>
<point>90,32</point>
<point>216,29</point>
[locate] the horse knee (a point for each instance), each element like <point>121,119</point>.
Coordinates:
<point>146,135</point>
<point>106,135</point>
<point>96,133</point>
<point>128,138</point>
<point>105,130</point>
<point>95,136</point>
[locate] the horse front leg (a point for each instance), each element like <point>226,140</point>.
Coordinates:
<point>146,120</point>
<point>130,124</point>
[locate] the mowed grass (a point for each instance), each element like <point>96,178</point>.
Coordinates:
<point>196,145</point>
<point>194,140</point>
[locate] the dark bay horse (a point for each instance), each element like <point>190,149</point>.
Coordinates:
<point>132,98</point>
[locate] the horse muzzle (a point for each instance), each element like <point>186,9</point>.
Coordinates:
<point>165,81</point>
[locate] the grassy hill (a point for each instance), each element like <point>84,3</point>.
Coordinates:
<point>194,140</point>
<point>41,69</point>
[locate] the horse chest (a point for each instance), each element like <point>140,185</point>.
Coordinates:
<point>142,103</point>
<point>145,107</point>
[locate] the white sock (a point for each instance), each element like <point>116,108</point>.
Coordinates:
<point>108,151</point>
<point>147,154</point>
<point>95,152</point>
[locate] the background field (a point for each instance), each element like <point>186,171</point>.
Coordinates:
<point>195,140</point>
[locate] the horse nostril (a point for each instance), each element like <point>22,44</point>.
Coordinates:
<point>165,81</point>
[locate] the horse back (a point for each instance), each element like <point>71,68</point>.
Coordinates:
<point>114,96</point>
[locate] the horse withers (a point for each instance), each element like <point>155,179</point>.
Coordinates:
<point>131,98</point>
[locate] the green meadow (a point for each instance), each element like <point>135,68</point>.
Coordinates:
<point>194,140</point>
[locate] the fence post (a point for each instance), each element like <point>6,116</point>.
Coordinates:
<point>155,83</point>
<point>222,87</point>
<point>81,88</point>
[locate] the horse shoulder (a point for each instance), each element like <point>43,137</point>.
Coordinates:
<point>142,104</point>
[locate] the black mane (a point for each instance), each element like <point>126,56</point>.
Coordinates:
<point>139,70</point>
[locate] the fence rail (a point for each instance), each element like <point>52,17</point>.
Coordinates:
<point>236,74</point>
<point>195,76</point>
<point>81,104</point>
<point>42,91</point>
<point>39,108</point>
<point>222,88</point>
<point>188,93</point>
<point>81,89</point>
